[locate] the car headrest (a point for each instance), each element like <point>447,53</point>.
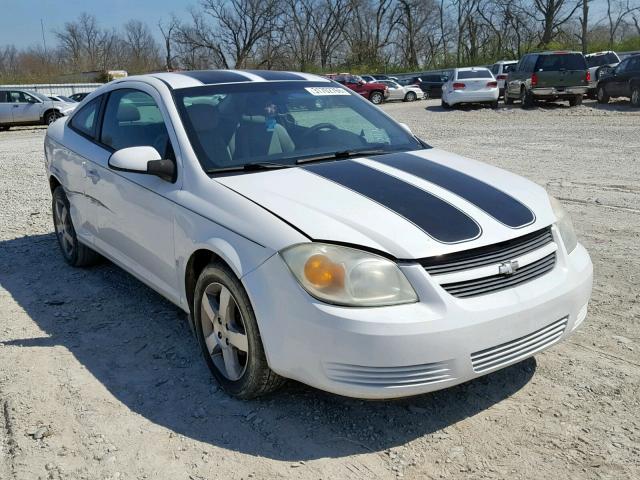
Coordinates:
<point>127,113</point>
<point>203,116</point>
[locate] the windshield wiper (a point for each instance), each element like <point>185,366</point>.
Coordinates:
<point>341,155</point>
<point>250,167</point>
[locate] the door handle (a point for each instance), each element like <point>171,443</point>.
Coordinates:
<point>16,106</point>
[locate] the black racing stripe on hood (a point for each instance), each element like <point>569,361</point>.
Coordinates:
<point>501,206</point>
<point>209,77</point>
<point>437,218</point>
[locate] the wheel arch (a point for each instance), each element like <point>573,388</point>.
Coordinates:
<point>217,250</point>
<point>47,111</point>
<point>54,183</point>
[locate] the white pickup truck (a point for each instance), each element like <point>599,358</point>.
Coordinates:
<point>595,61</point>
<point>24,107</point>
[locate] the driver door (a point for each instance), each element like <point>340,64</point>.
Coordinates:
<point>25,108</point>
<point>134,212</point>
<point>620,78</point>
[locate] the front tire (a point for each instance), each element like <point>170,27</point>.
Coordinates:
<point>601,95</point>
<point>635,96</point>
<point>507,99</point>
<point>376,98</point>
<point>228,335</point>
<point>410,97</point>
<point>74,252</point>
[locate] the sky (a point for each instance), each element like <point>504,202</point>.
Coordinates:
<point>20,19</point>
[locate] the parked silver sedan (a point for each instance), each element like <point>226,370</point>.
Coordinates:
<point>409,93</point>
<point>25,107</point>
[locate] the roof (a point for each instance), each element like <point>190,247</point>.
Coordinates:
<point>467,69</point>
<point>197,78</point>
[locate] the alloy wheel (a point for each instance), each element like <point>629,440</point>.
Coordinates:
<point>63,228</point>
<point>224,331</point>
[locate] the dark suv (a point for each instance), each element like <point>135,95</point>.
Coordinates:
<point>548,76</point>
<point>429,83</point>
<point>622,81</point>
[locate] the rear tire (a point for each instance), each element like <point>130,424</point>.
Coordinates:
<point>74,252</point>
<point>635,96</point>
<point>494,105</point>
<point>228,335</point>
<point>376,98</point>
<point>526,98</point>
<point>577,100</point>
<point>601,95</point>
<point>51,117</point>
<point>445,105</point>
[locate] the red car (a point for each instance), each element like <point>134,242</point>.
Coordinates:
<point>374,92</point>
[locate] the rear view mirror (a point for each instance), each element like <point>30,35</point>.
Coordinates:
<point>145,160</point>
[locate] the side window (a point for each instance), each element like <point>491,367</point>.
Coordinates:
<point>622,66</point>
<point>132,119</point>
<point>16,97</point>
<point>85,120</point>
<point>634,64</point>
<point>3,97</point>
<point>523,60</point>
<point>495,69</point>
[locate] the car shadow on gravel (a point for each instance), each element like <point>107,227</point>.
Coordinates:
<point>139,346</point>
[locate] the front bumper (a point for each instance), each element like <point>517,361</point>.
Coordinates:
<point>558,92</point>
<point>411,349</point>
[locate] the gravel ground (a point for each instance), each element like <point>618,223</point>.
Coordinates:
<point>100,377</point>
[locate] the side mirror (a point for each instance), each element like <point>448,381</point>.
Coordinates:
<point>144,160</point>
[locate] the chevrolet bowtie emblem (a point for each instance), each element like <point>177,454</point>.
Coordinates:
<point>508,268</point>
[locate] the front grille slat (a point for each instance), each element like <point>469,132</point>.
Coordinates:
<point>519,348</point>
<point>499,282</point>
<point>483,260</point>
<point>493,255</point>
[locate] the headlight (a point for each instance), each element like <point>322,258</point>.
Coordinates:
<point>563,222</point>
<point>346,276</point>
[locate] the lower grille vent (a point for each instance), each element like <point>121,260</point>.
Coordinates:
<point>518,349</point>
<point>405,376</point>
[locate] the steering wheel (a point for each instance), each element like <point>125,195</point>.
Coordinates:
<point>318,127</point>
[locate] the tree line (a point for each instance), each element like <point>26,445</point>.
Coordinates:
<point>329,35</point>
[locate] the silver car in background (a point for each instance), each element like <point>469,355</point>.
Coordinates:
<point>25,107</point>
<point>408,93</point>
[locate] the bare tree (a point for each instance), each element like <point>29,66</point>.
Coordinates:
<point>617,12</point>
<point>552,14</point>
<point>168,31</point>
<point>142,51</point>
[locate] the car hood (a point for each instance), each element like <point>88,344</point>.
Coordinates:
<point>408,205</point>
<point>65,105</point>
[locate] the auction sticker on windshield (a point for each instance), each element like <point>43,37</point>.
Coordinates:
<point>323,91</point>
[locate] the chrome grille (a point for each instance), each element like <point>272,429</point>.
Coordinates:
<point>497,253</point>
<point>494,283</point>
<point>519,348</point>
<point>404,376</point>
<point>457,273</point>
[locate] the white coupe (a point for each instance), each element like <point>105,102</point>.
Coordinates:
<point>310,236</point>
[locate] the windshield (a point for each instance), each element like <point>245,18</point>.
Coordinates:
<point>233,125</point>
<point>600,59</point>
<point>39,96</point>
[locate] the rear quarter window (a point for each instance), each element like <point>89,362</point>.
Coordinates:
<point>85,120</point>
<point>557,62</point>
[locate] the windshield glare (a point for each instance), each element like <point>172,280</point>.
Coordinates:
<point>281,122</point>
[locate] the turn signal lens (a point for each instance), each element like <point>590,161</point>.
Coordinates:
<point>323,273</point>
<point>347,276</point>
